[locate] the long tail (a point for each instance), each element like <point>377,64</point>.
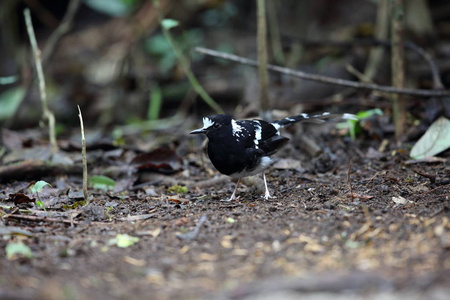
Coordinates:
<point>314,119</point>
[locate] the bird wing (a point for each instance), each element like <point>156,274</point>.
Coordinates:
<point>273,144</point>
<point>264,136</point>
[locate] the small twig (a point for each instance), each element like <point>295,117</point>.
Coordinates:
<point>72,222</point>
<point>62,29</point>
<point>50,220</point>
<point>326,79</point>
<point>137,217</point>
<point>191,235</point>
<point>362,77</point>
<point>432,178</point>
<point>437,83</point>
<point>275,39</point>
<point>435,189</point>
<point>365,227</point>
<point>398,66</point>
<point>40,219</point>
<point>29,169</point>
<point>185,64</point>
<point>381,33</point>
<point>263,74</point>
<point>349,180</point>
<point>378,42</point>
<point>48,115</point>
<point>84,159</point>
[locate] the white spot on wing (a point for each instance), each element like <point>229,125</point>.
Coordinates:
<point>276,125</point>
<point>237,129</point>
<point>306,116</point>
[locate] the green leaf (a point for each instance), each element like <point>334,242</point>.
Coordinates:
<point>102,182</point>
<point>40,204</point>
<point>179,189</point>
<point>8,79</point>
<point>155,103</point>
<point>10,101</point>
<point>368,113</point>
<point>15,249</point>
<point>354,126</point>
<point>123,240</point>
<point>434,141</point>
<point>169,23</point>
<point>114,8</point>
<point>38,186</point>
<point>158,45</point>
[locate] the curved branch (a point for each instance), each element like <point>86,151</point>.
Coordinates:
<point>326,79</point>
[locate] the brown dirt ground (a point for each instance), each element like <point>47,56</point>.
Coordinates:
<point>392,238</point>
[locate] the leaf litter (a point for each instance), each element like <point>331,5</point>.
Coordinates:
<point>179,240</point>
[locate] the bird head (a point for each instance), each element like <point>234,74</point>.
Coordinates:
<point>213,123</point>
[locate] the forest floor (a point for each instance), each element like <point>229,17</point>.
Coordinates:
<point>375,227</point>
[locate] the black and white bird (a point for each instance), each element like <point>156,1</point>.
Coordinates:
<point>243,148</point>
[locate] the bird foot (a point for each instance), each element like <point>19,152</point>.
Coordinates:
<point>232,198</point>
<point>267,195</point>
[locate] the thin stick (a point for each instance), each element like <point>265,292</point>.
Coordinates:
<point>263,74</point>
<point>84,159</point>
<point>380,42</point>
<point>185,64</point>
<point>137,217</point>
<point>275,39</point>
<point>50,220</point>
<point>364,78</point>
<point>398,66</point>
<point>349,180</point>
<point>47,114</point>
<point>435,189</point>
<point>62,29</point>
<point>381,33</point>
<point>326,79</point>
<point>437,83</point>
<point>40,219</point>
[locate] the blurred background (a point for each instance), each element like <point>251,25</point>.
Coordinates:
<point>112,59</point>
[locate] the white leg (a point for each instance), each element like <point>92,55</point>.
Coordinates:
<point>233,196</point>
<point>267,194</point>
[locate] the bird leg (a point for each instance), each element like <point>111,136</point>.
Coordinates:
<point>233,196</point>
<point>267,194</point>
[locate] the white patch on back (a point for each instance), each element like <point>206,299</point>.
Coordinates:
<point>306,116</point>
<point>258,133</point>
<point>237,129</point>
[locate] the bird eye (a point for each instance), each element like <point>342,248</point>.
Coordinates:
<point>216,125</point>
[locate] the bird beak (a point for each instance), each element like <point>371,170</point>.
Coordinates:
<point>198,131</point>
<point>206,125</point>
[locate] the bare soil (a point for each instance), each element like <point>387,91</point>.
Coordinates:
<point>374,227</point>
